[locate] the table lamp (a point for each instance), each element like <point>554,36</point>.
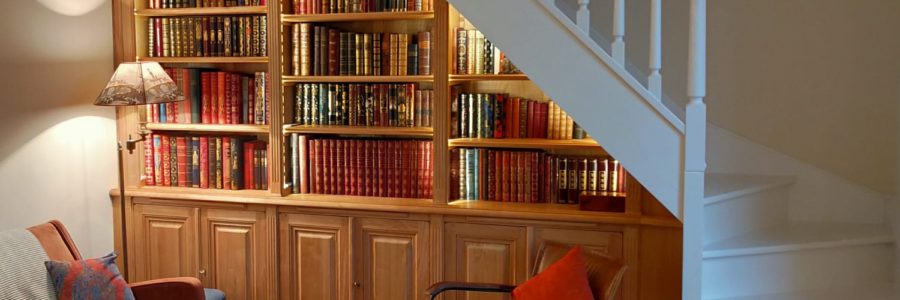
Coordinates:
<point>136,83</point>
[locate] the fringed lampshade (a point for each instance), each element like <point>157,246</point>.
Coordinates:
<point>136,83</point>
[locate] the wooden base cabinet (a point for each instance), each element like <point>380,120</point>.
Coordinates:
<point>390,258</point>
<point>227,249</point>
<point>484,253</point>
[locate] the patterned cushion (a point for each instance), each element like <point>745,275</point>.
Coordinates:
<point>90,279</point>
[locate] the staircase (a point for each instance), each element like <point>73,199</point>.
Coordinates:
<point>745,233</point>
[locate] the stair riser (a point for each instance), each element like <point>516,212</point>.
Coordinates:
<point>798,270</point>
<point>745,213</point>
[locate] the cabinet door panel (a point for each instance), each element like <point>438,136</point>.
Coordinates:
<point>165,242</point>
<point>604,242</point>
<point>235,249</point>
<point>484,253</point>
<point>392,261</point>
<point>314,260</point>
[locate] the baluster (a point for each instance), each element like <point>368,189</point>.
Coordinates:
<point>583,16</point>
<point>618,44</point>
<point>654,80</point>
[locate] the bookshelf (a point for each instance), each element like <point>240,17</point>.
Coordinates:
<point>441,22</point>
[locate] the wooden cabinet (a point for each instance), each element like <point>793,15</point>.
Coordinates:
<point>604,242</point>
<point>391,259</point>
<point>484,253</point>
<point>314,257</point>
<point>165,242</point>
<point>235,248</point>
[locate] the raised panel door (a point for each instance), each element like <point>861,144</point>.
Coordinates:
<point>314,259</point>
<point>235,249</point>
<point>165,242</point>
<point>391,259</point>
<point>486,254</point>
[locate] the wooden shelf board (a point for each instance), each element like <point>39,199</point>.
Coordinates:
<point>358,130</point>
<point>209,60</point>
<point>201,11</point>
<point>287,80</point>
<point>357,17</point>
<point>524,143</point>
<point>233,128</point>
<point>487,209</point>
<point>487,77</point>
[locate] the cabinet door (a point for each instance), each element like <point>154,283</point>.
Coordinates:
<point>605,242</point>
<point>314,258</point>
<point>484,253</point>
<point>235,252</point>
<point>391,259</point>
<point>165,242</point>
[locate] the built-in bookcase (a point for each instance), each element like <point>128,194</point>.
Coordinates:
<point>441,22</point>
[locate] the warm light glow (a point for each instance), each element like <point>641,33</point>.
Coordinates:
<point>72,7</point>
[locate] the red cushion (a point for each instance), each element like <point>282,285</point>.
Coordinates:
<point>564,279</point>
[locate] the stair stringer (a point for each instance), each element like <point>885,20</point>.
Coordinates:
<point>571,68</point>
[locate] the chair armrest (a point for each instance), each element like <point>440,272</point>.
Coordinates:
<point>440,287</point>
<point>187,288</point>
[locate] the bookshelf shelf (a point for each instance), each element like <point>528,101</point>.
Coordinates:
<point>524,143</point>
<point>358,17</point>
<point>239,128</point>
<point>287,80</point>
<point>207,60</point>
<point>488,77</point>
<point>425,132</point>
<point>205,11</point>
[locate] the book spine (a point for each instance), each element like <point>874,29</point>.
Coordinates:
<point>149,174</point>
<point>204,162</point>
<point>181,160</point>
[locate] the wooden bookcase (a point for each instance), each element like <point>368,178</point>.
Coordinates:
<point>643,224</point>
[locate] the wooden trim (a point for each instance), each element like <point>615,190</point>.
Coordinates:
<point>276,138</point>
<point>222,128</point>
<point>289,80</point>
<point>358,17</point>
<point>440,63</point>
<point>487,77</point>
<point>425,132</point>
<point>525,143</point>
<point>208,60</point>
<point>201,11</point>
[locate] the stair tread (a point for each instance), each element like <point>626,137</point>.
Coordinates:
<point>796,236</point>
<point>721,186</point>
<point>872,292</point>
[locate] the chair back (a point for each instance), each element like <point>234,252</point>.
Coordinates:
<point>604,273</point>
<point>55,240</point>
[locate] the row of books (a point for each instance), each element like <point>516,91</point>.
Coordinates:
<point>501,116</point>
<point>380,168</point>
<point>475,54</point>
<point>215,97</point>
<point>203,3</point>
<point>304,7</point>
<point>208,162</point>
<point>365,104</point>
<point>319,50</point>
<point>530,176</point>
<point>207,36</point>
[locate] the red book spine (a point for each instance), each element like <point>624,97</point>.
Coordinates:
<point>340,167</point>
<point>535,183</point>
<point>321,164</point>
<point>526,173</point>
<point>497,161</point>
<point>491,175</point>
<point>326,166</point>
<point>333,48</point>
<point>204,162</point>
<point>251,102</point>
<point>429,150</point>
<point>313,166</point>
<point>214,98</point>
<point>454,174</point>
<point>226,162</point>
<point>181,153</point>
<point>515,117</point>
<point>228,98</point>
<point>236,107</point>
<point>352,168</point>
<point>513,177</point>
<point>368,169</point>
<point>532,121</point>
<point>404,171</point>
<point>220,97</point>
<point>380,169</point>
<point>185,116</point>
<point>166,161</point>
<point>157,36</point>
<point>249,165</point>
<point>204,97</point>
<point>545,119</point>
<point>422,158</point>
<point>149,177</point>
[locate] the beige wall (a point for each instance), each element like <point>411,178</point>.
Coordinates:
<point>57,155</point>
<point>815,79</point>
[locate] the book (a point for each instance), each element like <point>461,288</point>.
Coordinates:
<point>303,7</point>
<point>207,36</point>
<point>213,97</point>
<point>360,104</point>
<point>197,161</point>
<point>475,54</point>
<point>324,51</point>
<point>480,115</point>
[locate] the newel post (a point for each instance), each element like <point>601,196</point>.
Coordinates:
<point>694,155</point>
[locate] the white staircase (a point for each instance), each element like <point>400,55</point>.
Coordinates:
<point>743,235</point>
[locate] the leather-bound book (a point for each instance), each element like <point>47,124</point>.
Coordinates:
<point>523,118</point>
<point>333,49</point>
<point>314,46</point>
<point>358,54</point>
<point>203,168</point>
<point>424,53</point>
<point>527,185</point>
<point>593,170</point>
<point>583,170</point>
<point>491,175</point>
<point>219,163</point>
<point>541,120</point>
<point>463,173</point>
<point>563,186</point>
<point>194,161</point>
<point>572,176</point>
<point>316,151</point>
<point>504,169</point>
<point>614,176</point>
<point>530,129</point>
<point>149,174</point>
<point>472,174</point>
<point>340,162</point>
<point>304,52</point>
<point>219,92</point>
<point>462,51</point>
<point>533,170</point>
<point>454,193</point>
<point>603,175</point>
<point>173,161</point>
<point>226,162</point>
<point>181,160</point>
<point>377,54</point>
<point>515,186</point>
<point>328,165</point>
<point>237,163</point>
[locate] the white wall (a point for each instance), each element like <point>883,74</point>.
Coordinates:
<point>57,151</point>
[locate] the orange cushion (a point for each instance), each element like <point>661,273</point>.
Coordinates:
<point>564,279</point>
